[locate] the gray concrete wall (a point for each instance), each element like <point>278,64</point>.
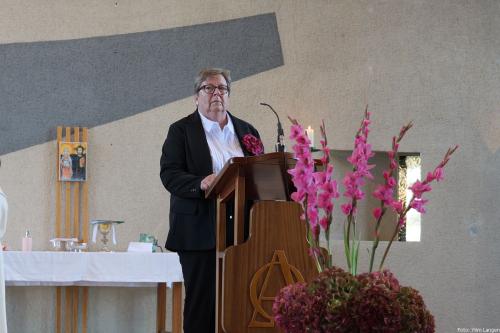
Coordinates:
<point>434,62</point>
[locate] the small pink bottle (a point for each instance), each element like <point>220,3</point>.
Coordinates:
<point>27,242</point>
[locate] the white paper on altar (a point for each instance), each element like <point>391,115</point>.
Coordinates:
<point>140,247</point>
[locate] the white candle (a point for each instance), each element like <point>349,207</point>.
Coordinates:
<point>310,135</point>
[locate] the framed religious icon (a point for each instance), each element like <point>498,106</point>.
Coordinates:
<point>73,161</point>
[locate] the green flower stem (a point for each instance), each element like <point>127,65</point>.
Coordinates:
<point>313,243</point>
<point>396,231</point>
<point>354,254</point>
<point>351,247</point>
<point>347,234</point>
<point>318,265</point>
<point>377,238</point>
<point>389,246</point>
<point>328,261</point>
<point>346,247</point>
<point>347,242</point>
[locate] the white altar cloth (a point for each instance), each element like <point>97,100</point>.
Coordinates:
<point>91,269</point>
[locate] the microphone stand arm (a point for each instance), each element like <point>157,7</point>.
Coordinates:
<point>280,141</point>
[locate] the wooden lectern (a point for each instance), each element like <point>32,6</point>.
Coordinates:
<point>250,273</point>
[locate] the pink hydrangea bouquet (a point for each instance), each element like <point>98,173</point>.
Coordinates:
<point>337,301</point>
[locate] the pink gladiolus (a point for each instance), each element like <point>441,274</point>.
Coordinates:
<point>319,177</point>
<point>303,140</point>
<point>346,208</point>
<point>384,194</point>
<point>314,251</point>
<point>324,200</point>
<point>358,194</point>
<point>396,146</point>
<point>316,230</point>
<point>430,177</point>
<point>439,174</point>
<point>324,147</point>
<point>391,182</point>
<point>418,205</point>
<point>353,181</point>
<point>316,191</point>
<point>324,223</point>
<point>329,169</point>
<point>298,196</point>
<point>330,187</point>
<point>303,174</point>
<point>419,188</point>
<point>377,212</point>
<point>312,214</point>
<point>296,131</point>
<point>397,206</point>
<point>314,188</point>
<point>353,191</point>
<point>326,154</point>
<point>393,164</point>
<point>303,152</point>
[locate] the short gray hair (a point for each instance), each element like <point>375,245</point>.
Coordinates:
<point>208,72</point>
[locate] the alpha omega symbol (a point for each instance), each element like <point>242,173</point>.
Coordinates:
<point>277,274</point>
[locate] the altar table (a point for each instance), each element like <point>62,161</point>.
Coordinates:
<point>113,269</point>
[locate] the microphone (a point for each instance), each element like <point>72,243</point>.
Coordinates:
<point>280,143</point>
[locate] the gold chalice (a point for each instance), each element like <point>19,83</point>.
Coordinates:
<point>105,227</point>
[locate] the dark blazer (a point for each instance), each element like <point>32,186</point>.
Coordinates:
<point>185,161</point>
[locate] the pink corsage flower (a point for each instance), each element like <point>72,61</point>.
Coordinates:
<point>253,144</point>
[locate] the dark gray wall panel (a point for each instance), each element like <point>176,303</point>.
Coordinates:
<point>92,81</point>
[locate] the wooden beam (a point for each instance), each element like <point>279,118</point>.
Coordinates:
<point>85,234</point>
<point>58,185</point>
<point>161,307</point>
<point>67,313</point>
<point>239,210</point>
<point>76,195</point>
<point>85,201</point>
<point>85,297</point>
<point>75,308</point>
<point>67,198</point>
<point>177,307</point>
<point>58,309</point>
<point>58,228</point>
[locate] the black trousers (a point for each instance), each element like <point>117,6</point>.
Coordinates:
<point>198,269</point>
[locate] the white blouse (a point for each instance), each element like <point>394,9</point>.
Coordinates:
<point>223,143</point>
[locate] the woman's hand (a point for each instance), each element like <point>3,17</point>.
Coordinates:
<point>207,181</point>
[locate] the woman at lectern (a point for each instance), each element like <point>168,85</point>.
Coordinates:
<point>196,149</point>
